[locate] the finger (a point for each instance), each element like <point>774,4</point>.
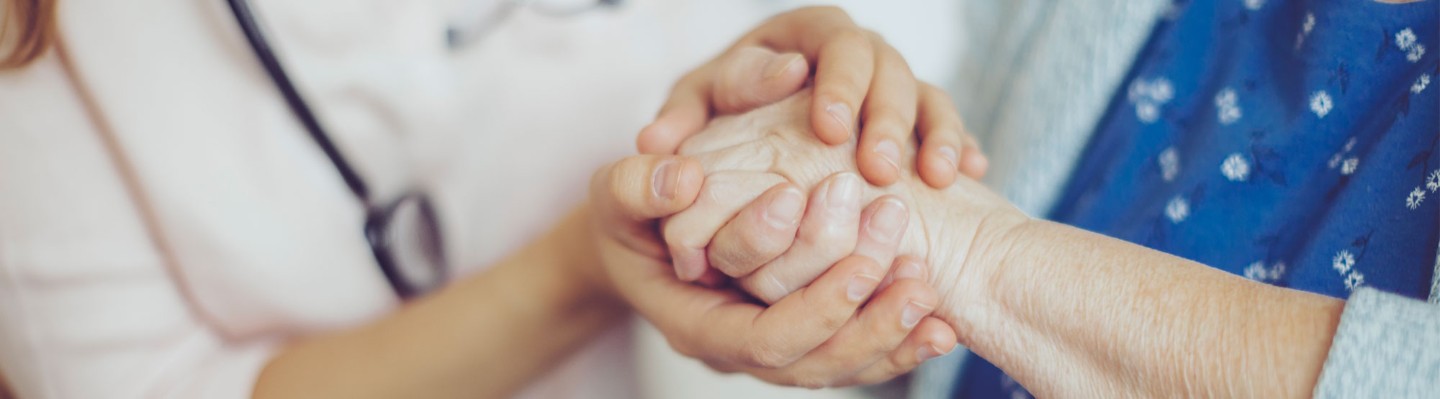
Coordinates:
<point>752,76</point>
<point>906,267</point>
<point>797,324</point>
<point>827,234</point>
<point>882,224</point>
<point>762,231</point>
<point>685,112</point>
<point>879,329</point>
<point>889,115</point>
<point>941,133</point>
<point>973,161</point>
<point>842,80</point>
<point>632,190</point>
<point>723,196</point>
<point>930,339</point>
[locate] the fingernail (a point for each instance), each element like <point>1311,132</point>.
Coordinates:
<point>666,180</point>
<point>784,210</point>
<point>912,314</point>
<point>861,286</point>
<point>842,115</point>
<point>886,221</point>
<point>909,269</point>
<point>843,194</point>
<point>779,64</point>
<point>951,156</point>
<point>890,152</point>
<point>927,352</point>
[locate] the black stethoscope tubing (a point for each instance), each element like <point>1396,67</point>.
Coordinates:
<point>246,18</point>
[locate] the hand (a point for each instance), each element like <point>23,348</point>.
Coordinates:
<point>858,77</point>
<point>937,230</point>
<point>819,336</point>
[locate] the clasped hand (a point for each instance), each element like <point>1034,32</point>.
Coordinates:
<point>720,248</point>
<point>846,287</point>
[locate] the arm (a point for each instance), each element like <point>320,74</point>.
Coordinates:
<point>1068,312</point>
<point>1062,310</point>
<point>485,336</point>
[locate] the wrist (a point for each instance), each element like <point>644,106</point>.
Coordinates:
<point>580,259</point>
<point>968,232</point>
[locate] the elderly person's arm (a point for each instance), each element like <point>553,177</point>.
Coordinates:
<point>1064,311</point>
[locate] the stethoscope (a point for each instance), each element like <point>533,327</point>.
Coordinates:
<point>403,234</point>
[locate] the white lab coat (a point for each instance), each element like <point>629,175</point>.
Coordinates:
<point>165,223</point>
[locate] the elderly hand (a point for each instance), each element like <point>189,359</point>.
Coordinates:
<point>857,78</point>
<point>775,141</point>
<point>825,334</point>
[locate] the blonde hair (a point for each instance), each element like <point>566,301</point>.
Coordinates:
<point>27,31</point>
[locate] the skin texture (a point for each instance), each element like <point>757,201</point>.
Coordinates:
<point>857,323</point>
<point>1066,312</point>
<point>863,88</point>
<point>826,334</point>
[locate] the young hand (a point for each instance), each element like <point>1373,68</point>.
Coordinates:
<point>862,86</point>
<point>825,334</point>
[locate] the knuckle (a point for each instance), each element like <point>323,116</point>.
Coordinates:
<point>890,118</point>
<point>758,244</point>
<point>833,320</point>
<point>852,36</point>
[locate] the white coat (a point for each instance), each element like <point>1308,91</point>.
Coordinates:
<point>165,222</point>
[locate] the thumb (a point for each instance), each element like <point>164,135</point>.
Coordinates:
<point>738,81</point>
<point>751,77</point>
<point>644,187</point>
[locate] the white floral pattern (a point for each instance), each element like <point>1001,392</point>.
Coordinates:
<point>1354,280</point>
<point>1169,164</point>
<point>1405,38</point>
<point>1343,261</point>
<point>1227,108</point>
<point>1253,5</point>
<point>1416,197</point>
<point>1348,167</point>
<point>1305,29</point>
<point>1420,83</point>
<point>1433,181</point>
<point>1406,41</point>
<point>1177,209</point>
<point>1344,264</point>
<point>1320,103</point>
<point>1148,96</point>
<point>1258,272</point>
<point>1235,167</point>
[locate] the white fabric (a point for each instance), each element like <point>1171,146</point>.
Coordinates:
<point>167,245</point>
<point>1034,79</point>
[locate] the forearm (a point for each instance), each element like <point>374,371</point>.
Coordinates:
<point>484,336</point>
<point>1072,313</point>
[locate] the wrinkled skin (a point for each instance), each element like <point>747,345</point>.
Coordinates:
<point>774,144</point>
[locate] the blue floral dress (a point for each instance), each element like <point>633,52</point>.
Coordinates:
<point>1295,143</point>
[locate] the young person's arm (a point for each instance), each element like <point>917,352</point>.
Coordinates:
<point>485,336</point>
